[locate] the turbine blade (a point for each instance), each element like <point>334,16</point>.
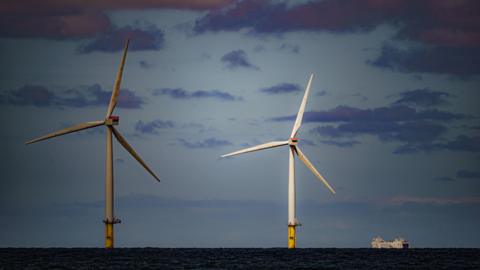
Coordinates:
<point>75,128</point>
<point>258,147</point>
<point>309,165</point>
<point>298,121</point>
<point>118,81</point>
<point>132,152</point>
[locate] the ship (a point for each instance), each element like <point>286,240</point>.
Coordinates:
<point>399,243</point>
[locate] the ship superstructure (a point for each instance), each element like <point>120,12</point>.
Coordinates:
<point>378,242</point>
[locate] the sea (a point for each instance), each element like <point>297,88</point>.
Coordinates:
<point>238,258</point>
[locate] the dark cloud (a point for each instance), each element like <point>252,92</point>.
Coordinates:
<point>126,98</point>
<point>143,37</point>
<point>281,88</point>
<point>264,16</point>
<point>468,174</point>
<point>423,98</point>
<point>144,64</point>
<point>35,95</point>
<point>458,61</point>
<point>199,127</point>
<point>461,143</point>
<point>94,95</point>
<point>152,127</point>
<point>179,93</point>
<point>435,22</point>
<point>237,59</point>
<point>290,47</point>
<point>77,19</point>
<point>414,131</point>
<point>259,48</point>
<point>207,143</point>
<point>448,31</point>
<point>321,93</point>
<point>380,114</point>
<point>329,131</point>
<point>344,144</point>
<point>419,130</point>
<point>413,148</point>
<point>306,142</point>
<point>443,179</point>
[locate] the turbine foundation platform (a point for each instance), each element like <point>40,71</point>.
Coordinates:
<point>292,238</point>
<point>109,240</point>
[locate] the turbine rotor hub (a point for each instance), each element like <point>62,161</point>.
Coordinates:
<point>112,120</point>
<point>293,141</point>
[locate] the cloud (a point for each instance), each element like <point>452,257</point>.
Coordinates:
<point>77,19</point>
<point>94,95</point>
<point>179,93</point>
<point>143,37</point>
<point>126,99</point>
<point>281,88</point>
<point>423,98</point>
<point>263,16</point>
<point>457,61</point>
<point>152,127</point>
<point>380,114</point>
<point>207,143</point>
<point>307,142</point>
<point>414,131</point>
<point>343,144</point>
<point>452,23</point>
<point>144,64</point>
<point>418,130</point>
<point>461,143</point>
<point>259,48</point>
<point>290,47</point>
<point>321,93</point>
<point>399,200</point>
<point>443,179</point>
<point>447,31</point>
<point>35,95</point>
<point>237,59</point>
<point>468,174</point>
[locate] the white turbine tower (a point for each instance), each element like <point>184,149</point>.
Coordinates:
<point>293,149</point>
<point>108,122</point>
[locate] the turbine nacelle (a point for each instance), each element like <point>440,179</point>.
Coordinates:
<point>112,120</point>
<point>293,141</point>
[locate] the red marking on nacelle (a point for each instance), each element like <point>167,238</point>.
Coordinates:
<point>294,139</point>
<point>114,117</point>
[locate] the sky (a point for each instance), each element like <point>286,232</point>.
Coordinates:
<point>392,121</point>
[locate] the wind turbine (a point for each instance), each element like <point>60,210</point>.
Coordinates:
<point>293,149</point>
<point>109,122</point>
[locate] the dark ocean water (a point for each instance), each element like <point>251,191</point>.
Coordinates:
<point>237,258</point>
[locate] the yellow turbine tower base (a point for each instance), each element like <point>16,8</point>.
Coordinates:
<point>108,235</point>
<point>291,236</point>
